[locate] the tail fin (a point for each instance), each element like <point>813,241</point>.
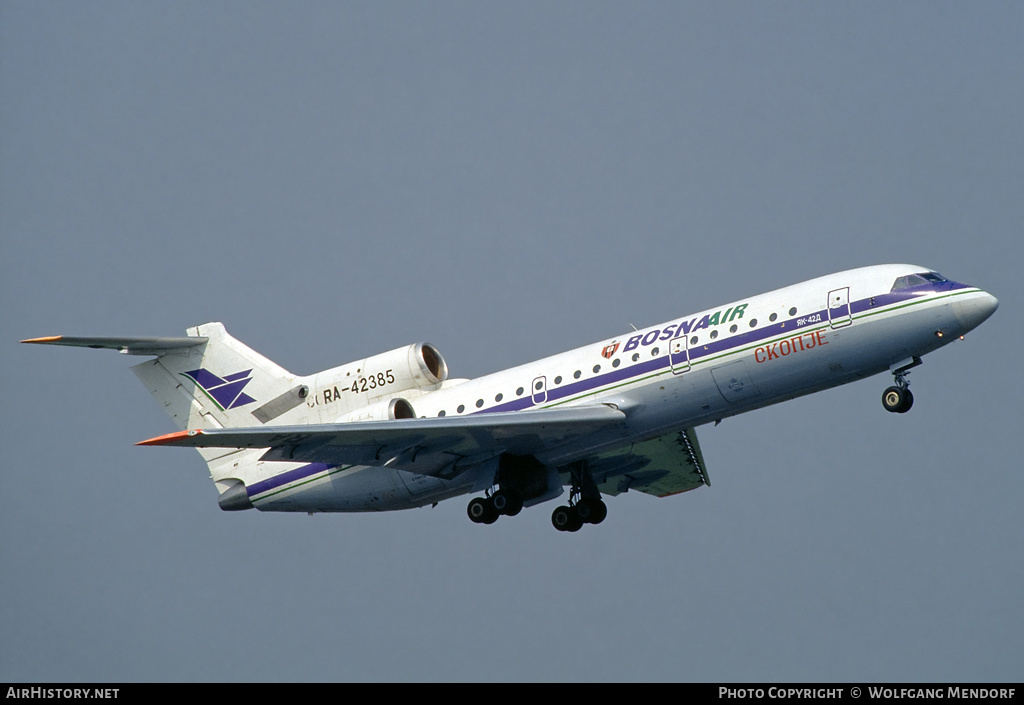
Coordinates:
<point>221,383</point>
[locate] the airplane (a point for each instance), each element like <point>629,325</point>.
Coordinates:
<point>394,431</point>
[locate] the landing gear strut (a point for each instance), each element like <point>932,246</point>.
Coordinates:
<point>898,399</point>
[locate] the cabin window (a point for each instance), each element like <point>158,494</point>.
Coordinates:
<point>792,311</point>
<point>441,412</point>
<point>615,362</point>
<point>714,334</point>
<point>597,368</point>
<point>498,397</point>
<point>753,322</point>
<point>519,392</point>
<point>732,328</point>
<point>636,356</point>
<point>655,351</point>
<point>479,403</point>
<point>462,407</point>
<point>576,374</point>
<point>773,317</point>
<point>558,379</point>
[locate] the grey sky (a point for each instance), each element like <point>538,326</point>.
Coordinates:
<point>506,181</point>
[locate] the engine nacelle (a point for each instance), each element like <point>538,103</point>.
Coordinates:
<point>347,392</point>
<point>384,410</point>
<point>418,366</point>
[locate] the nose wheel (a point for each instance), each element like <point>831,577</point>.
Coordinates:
<point>897,400</point>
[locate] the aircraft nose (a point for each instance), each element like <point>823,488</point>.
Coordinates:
<point>973,309</point>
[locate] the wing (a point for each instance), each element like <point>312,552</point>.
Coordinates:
<point>424,446</point>
<point>662,466</point>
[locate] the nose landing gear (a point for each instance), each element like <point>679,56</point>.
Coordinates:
<point>898,399</point>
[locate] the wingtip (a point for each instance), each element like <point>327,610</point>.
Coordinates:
<point>169,438</point>
<point>44,339</point>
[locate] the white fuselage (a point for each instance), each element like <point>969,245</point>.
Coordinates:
<point>696,369</point>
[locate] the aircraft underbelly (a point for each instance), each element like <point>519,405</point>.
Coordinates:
<point>364,489</point>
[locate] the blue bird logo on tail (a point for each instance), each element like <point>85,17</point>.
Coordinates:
<point>226,392</point>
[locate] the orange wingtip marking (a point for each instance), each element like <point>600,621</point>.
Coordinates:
<point>169,438</point>
<point>45,339</point>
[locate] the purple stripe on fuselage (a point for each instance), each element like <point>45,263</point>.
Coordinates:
<point>641,368</point>
<point>737,341</point>
<point>284,478</point>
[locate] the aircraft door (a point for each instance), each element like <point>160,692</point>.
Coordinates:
<point>539,390</point>
<point>839,313</point>
<point>679,354</point>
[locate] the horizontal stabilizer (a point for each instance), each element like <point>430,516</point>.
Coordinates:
<point>128,346</point>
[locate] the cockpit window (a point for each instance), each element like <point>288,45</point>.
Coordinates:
<point>909,281</point>
<point>912,280</point>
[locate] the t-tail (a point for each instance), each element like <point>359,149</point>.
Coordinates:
<point>208,380</point>
<point>211,380</point>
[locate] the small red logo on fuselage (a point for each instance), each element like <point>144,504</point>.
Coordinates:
<point>609,350</point>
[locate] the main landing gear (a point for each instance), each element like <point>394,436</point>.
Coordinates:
<point>583,511</point>
<point>585,503</point>
<point>898,399</point>
<point>486,510</point>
